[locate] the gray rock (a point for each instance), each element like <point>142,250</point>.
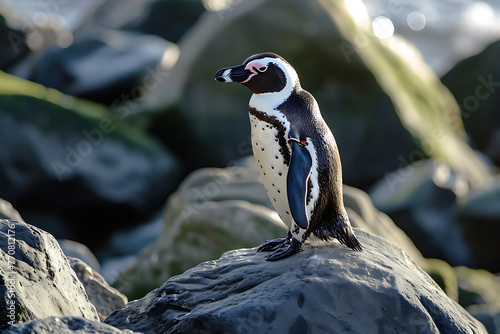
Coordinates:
<point>363,214</point>
<point>7,211</point>
<point>66,155</point>
<point>105,298</point>
<point>421,199</point>
<point>474,82</point>
<point>12,39</point>
<point>64,325</point>
<point>326,288</point>
<point>77,250</point>
<point>479,217</point>
<point>37,279</point>
<point>105,65</point>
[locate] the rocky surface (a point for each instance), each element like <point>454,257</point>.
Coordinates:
<point>105,298</point>
<point>37,279</point>
<point>216,210</point>
<point>69,165</point>
<point>324,288</point>
<point>64,325</point>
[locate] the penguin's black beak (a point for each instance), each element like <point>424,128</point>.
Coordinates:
<point>232,74</point>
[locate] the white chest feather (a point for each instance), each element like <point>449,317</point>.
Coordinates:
<point>273,171</point>
<point>272,168</point>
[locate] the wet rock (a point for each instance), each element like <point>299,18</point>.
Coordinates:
<point>78,164</point>
<point>105,298</point>
<point>324,287</point>
<point>37,281</point>
<point>64,325</point>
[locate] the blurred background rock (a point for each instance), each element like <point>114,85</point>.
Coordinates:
<point>107,105</point>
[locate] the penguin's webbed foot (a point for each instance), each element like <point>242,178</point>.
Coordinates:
<point>285,250</point>
<point>272,245</point>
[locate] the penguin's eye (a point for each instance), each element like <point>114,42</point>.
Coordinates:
<point>261,69</point>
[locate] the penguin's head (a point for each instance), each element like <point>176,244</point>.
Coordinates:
<point>261,73</point>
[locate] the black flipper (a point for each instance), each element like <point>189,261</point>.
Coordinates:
<point>296,181</point>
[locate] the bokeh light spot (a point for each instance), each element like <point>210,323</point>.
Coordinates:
<point>416,21</point>
<point>382,27</point>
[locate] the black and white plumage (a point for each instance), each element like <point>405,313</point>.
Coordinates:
<point>296,153</point>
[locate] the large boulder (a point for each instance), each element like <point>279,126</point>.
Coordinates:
<point>38,281</point>
<point>77,163</point>
<point>216,210</point>
<point>64,325</point>
<point>324,288</point>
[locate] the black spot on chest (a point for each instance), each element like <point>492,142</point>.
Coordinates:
<point>277,124</point>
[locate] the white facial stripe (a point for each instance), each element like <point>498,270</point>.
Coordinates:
<point>265,101</point>
<point>225,75</point>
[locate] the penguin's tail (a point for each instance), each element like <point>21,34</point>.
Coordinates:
<point>342,231</point>
<point>348,238</point>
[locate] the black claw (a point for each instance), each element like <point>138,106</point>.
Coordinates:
<point>285,251</point>
<point>272,245</point>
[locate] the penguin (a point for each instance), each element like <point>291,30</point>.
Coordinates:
<point>296,154</point>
